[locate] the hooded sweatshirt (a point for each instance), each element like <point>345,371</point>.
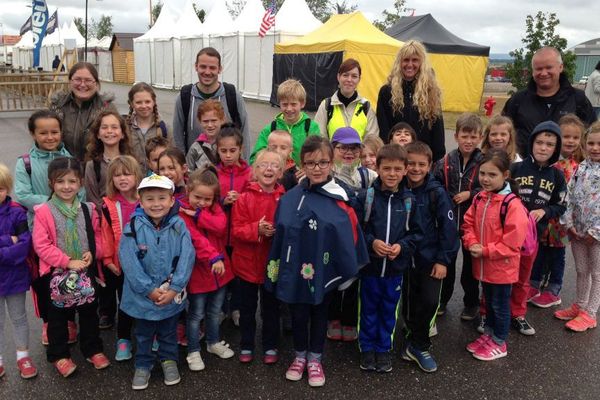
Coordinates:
<point>542,187</point>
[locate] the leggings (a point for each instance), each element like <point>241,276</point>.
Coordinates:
<point>587,265</point>
<point>18,316</point>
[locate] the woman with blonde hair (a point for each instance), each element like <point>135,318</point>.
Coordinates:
<point>412,95</point>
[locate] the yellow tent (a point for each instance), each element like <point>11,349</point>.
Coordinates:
<point>315,58</point>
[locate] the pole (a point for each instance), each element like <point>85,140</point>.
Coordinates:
<point>150,3</point>
<point>86,31</point>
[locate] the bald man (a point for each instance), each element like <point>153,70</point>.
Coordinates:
<point>548,96</point>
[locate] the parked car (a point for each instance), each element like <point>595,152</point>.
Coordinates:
<point>583,80</point>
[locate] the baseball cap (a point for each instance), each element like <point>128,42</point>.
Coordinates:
<point>158,182</point>
<point>346,135</point>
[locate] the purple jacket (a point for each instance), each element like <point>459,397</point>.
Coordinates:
<point>14,272</point>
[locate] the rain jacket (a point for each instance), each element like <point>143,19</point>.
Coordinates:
<point>14,271</point>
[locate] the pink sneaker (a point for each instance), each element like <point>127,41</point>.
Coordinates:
<point>2,371</point>
<point>582,322</point>
<point>545,300</point>
<point>567,314</point>
<point>316,376</point>
<point>477,343</point>
<point>490,350</point>
<point>334,330</point>
<point>72,327</point>
<point>296,370</point>
<point>26,368</point>
<point>533,292</point>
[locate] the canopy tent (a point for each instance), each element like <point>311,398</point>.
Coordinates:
<point>315,58</point>
<point>220,33</point>
<point>187,40</point>
<point>459,65</point>
<point>99,55</point>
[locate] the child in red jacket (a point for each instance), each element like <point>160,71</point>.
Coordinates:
<point>252,232</point>
<point>495,247</point>
<point>211,273</point>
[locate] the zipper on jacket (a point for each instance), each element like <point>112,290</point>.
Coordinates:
<point>387,232</point>
<point>301,201</point>
<point>461,172</point>
<point>481,234</point>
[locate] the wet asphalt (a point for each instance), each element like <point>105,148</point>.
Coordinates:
<point>552,364</point>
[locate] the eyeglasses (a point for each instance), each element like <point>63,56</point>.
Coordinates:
<point>79,81</point>
<point>266,165</point>
<point>313,164</point>
<point>345,148</point>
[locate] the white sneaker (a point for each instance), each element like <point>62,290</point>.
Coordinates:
<point>220,349</point>
<point>195,362</point>
<point>433,331</point>
<point>235,317</point>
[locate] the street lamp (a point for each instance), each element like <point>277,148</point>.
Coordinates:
<point>86,30</point>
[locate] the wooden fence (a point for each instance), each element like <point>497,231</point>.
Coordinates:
<point>26,91</point>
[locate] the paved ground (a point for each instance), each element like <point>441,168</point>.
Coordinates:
<point>553,364</point>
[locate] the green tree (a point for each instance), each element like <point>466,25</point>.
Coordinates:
<point>321,9</point>
<point>540,31</point>
<point>101,28</point>
<point>235,7</point>
<point>155,13</point>
<point>344,8</point>
<point>80,24</point>
<point>200,13</point>
<point>390,17</point>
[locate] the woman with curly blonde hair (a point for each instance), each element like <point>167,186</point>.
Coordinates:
<point>412,95</point>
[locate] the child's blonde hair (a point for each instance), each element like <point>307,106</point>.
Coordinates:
<point>291,89</point>
<point>282,133</point>
<point>262,154</point>
<point>511,147</point>
<point>572,119</point>
<point>119,165</point>
<point>6,179</point>
<point>373,142</point>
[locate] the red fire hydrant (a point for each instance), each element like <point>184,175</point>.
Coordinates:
<point>489,106</point>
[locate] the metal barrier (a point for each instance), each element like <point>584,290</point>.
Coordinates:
<point>26,91</point>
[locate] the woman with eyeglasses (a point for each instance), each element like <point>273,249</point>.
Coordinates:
<point>79,107</point>
<point>346,107</point>
<point>412,95</point>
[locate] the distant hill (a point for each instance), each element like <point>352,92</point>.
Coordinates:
<point>496,57</point>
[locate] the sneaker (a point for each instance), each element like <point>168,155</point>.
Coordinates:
<point>246,356</point>
<point>65,366</point>
<point>523,326</point>
<point>141,377</point>
<point>441,309</point>
<point>26,368</point>
<point>123,350</point>
<point>2,371</point>
<point>235,317</point>
<point>532,294</point>
<point>181,338</point>
<point>99,360</point>
<point>316,376</point>
<point>349,333</point>
<point>45,334</point>
<point>367,361</point>
<point>582,322</point>
<point>546,300</point>
<point>220,349</point>
<point>155,344</point>
<point>477,343</point>
<point>567,314</point>
<point>334,330</point>
<point>194,360</point>
<point>170,372</point>
<point>403,354</point>
<point>433,330</point>
<point>270,357</point>
<point>384,362</point>
<point>481,324</point>
<point>296,369</point>
<point>490,350</point>
<point>469,313</point>
<point>105,322</point>
<point>72,327</point>
<point>423,359</point>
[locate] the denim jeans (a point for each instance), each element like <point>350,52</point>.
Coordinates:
<point>554,257</point>
<point>497,305</point>
<point>207,307</point>
<point>166,335</point>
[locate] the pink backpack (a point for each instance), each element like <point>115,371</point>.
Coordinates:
<point>530,245</point>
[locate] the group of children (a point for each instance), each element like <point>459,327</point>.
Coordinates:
<point>328,234</point>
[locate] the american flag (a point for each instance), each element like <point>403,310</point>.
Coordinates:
<point>268,20</point>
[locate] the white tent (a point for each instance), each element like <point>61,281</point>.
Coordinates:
<point>188,39</point>
<point>99,55</point>
<point>219,33</point>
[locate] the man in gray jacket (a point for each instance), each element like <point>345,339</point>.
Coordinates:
<point>592,89</point>
<point>186,126</point>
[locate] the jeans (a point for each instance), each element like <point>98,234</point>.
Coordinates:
<point>269,311</point>
<point>201,305</point>
<point>166,335</point>
<point>554,258</point>
<point>497,304</point>
<point>309,325</point>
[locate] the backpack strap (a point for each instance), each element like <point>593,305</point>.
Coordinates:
<point>433,200</point>
<point>163,128</point>
<point>106,213</point>
<point>89,229</point>
<point>446,167</point>
<point>408,208</point>
<point>27,163</point>
<point>133,233</point>
<point>368,204</point>
<point>366,105</point>
<point>186,99</point>
<point>97,170</point>
<point>210,155</point>
<point>273,125</point>
<point>306,126</point>
<point>364,177</point>
<point>504,207</point>
<point>329,108</point>
<point>472,178</point>
<point>231,99</point>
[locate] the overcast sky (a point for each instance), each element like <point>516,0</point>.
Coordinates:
<point>499,24</point>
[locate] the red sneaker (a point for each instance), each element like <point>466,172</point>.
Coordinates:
<point>65,366</point>
<point>296,369</point>
<point>270,357</point>
<point>99,360</point>
<point>567,314</point>
<point>477,343</point>
<point>490,350</point>
<point>2,371</point>
<point>334,330</point>
<point>181,338</point>
<point>546,300</point>
<point>72,326</point>
<point>26,367</point>
<point>533,293</point>
<point>582,322</point>
<point>45,334</point>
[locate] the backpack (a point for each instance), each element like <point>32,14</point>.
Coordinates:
<point>364,107</point>
<point>364,177</point>
<point>27,163</point>
<point>306,126</point>
<point>230,98</point>
<point>370,197</point>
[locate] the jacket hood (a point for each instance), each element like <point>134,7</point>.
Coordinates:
<point>235,169</point>
<point>36,152</point>
<point>218,94</point>
<point>329,189</point>
<point>61,98</point>
<point>547,127</point>
<point>402,189</point>
<point>255,187</point>
<point>303,116</point>
<point>165,222</point>
<point>429,184</point>
<point>563,81</point>
<point>202,138</point>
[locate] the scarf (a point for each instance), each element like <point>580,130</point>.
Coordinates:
<point>72,244</point>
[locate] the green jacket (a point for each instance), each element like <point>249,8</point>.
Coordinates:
<point>297,131</point>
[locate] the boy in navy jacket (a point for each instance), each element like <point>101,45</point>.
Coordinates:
<point>434,253</point>
<point>392,234</point>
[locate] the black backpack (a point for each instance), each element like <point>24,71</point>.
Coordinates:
<point>364,107</point>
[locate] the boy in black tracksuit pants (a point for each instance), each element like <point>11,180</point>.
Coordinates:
<point>432,257</point>
<point>392,233</point>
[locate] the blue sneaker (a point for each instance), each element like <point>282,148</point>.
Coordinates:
<point>154,344</point>
<point>423,359</point>
<point>123,350</point>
